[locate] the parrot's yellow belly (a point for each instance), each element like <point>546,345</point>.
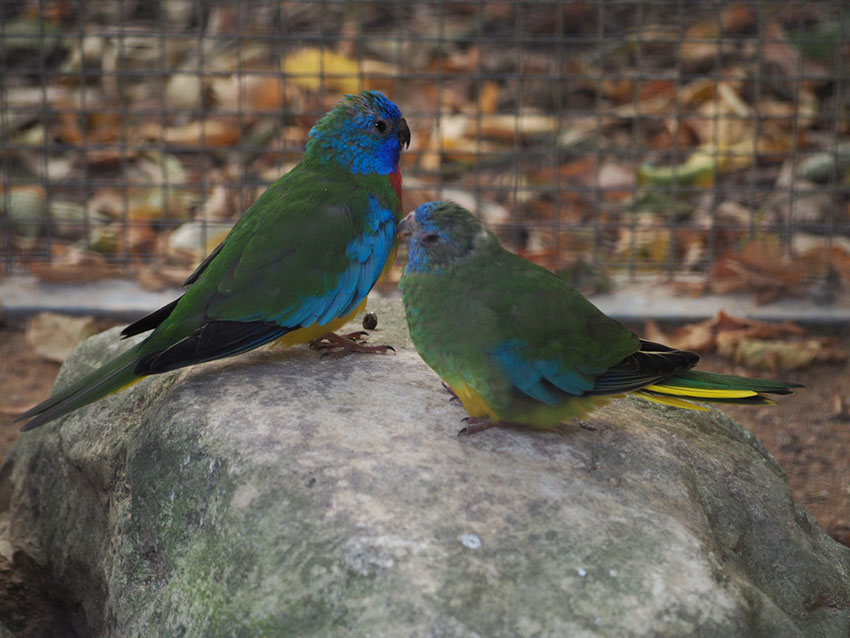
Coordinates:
<point>527,412</point>
<point>473,402</point>
<point>315,331</point>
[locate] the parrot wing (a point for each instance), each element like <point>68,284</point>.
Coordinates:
<point>549,338</point>
<point>265,279</point>
<point>651,363</point>
<point>152,320</point>
<point>556,341</point>
<point>553,342</point>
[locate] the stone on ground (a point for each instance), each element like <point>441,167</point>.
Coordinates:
<point>277,494</point>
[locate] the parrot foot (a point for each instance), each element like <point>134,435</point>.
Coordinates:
<point>358,336</point>
<point>476,424</point>
<point>586,426</point>
<point>338,346</point>
<point>454,398</point>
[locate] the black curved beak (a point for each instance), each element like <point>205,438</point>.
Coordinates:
<point>404,133</point>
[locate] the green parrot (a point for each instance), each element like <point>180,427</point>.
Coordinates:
<point>516,344</point>
<point>296,266</point>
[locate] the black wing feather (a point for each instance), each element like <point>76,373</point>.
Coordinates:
<point>152,320</point>
<point>214,340</point>
<point>149,321</point>
<point>203,266</point>
<point>651,363</point>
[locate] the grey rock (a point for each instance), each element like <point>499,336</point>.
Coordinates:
<point>277,494</point>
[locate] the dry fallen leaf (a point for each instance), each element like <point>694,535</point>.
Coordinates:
<point>382,76</point>
<point>647,242</point>
<point>70,264</point>
<point>211,133</point>
<point>54,336</point>
<point>506,128</point>
<point>157,202</point>
<point>197,238</point>
<point>184,90</point>
<point>218,206</point>
<point>698,337</point>
<point>775,355</point>
<point>779,51</point>
<point>840,408</point>
<point>703,39</point>
<point>761,266</point>
<point>141,238</point>
<point>314,68</point>
<point>488,97</point>
<point>161,277</point>
<point>251,92</point>
<point>773,346</point>
<point>697,170</point>
<point>96,127</point>
<point>26,208</point>
<point>704,336</point>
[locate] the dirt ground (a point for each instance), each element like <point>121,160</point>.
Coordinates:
<point>808,439</point>
<point>803,434</point>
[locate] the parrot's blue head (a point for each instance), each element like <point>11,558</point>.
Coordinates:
<point>440,235</point>
<point>364,133</point>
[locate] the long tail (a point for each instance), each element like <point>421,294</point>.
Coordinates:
<point>707,387</point>
<point>110,377</point>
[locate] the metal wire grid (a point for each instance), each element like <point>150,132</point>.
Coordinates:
<point>88,96</point>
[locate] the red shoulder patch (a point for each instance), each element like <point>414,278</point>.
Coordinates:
<point>395,181</point>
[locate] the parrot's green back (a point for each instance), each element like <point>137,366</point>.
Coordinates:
<point>296,266</point>
<point>252,278</point>
<point>486,310</point>
<point>519,345</point>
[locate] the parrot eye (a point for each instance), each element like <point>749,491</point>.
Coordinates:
<point>380,126</point>
<point>430,238</point>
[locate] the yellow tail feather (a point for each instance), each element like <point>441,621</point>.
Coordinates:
<point>128,384</point>
<point>698,393</point>
<point>678,403</point>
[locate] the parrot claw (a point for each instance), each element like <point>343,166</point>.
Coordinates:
<point>336,346</point>
<point>358,336</point>
<point>454,398</point>
<point>333,340</point>
<point>475,424</point>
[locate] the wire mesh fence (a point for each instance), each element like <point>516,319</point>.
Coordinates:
<point>606,137</point>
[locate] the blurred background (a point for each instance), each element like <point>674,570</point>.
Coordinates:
<point>705,142</point>
<point>670,159</point>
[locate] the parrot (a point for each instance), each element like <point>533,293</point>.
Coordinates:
<point>296,266</point>
<point>517,345</point>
